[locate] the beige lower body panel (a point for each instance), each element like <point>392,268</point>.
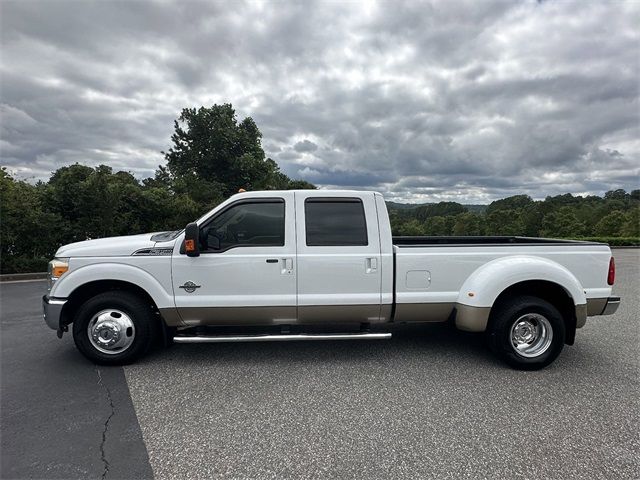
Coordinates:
<point>318,314</point>
<point>244,316</point>
<point>476,319</point>
<point>581,315</point>
<point>171,317</point>
<point>423,312</point>
<point>467,318</point>
<point>472,319</point>
<point>595,306</point>
<point>288,315</point>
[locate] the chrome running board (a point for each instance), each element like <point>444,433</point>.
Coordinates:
<point>279,338</point>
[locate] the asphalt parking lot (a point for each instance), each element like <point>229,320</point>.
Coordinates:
<point>429,403</point>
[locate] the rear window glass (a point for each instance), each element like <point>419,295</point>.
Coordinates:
<point>335,222</point>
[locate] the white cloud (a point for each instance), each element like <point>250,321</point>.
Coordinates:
<point>423,101</point>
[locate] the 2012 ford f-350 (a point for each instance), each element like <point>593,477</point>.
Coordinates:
<point>317,264</point>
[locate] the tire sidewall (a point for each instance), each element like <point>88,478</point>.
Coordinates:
<point>137,310</point>
<point>509,314</point>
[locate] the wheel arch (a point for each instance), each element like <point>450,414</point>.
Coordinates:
<point>516,275</point>
<point>104,276</point>
<point>548,291</point>
<point>90,289</point>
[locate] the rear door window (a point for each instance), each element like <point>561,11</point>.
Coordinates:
<point>335,222</point>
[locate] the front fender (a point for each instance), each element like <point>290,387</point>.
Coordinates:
<point>484,285</point>
<point>75,278</point>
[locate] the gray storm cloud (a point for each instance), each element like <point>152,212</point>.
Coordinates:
<point>423,101</point>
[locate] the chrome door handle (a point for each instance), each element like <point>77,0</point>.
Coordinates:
<point>371,265</point>
<point>287,266</point>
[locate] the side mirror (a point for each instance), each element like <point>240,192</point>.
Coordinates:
<point>192,240</point>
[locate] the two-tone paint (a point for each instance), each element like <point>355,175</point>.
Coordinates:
<point>377,283</point>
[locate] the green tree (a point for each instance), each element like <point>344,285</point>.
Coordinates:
<point>410,228</point>
<point>467,224</point>
<point>562,223</point>
<point>300,185</point>
<point>437,226</point>
<point>214,155</point>
<point>93,202</point>
<point>516,202</point>
<point>631,226</point>
<point>531,218</point>
<point>28,234</point>
<point>504,222</point>
<point>611,224</point>
<point>619,195</point>
<point>441,209</point>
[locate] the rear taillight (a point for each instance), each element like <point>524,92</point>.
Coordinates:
<point>611,277</point>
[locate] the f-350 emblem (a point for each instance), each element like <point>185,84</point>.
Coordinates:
<point>189,287</point>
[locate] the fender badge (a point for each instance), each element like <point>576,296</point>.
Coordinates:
<point>189,287</point>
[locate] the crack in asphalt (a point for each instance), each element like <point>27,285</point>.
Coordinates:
<point>103,456</point>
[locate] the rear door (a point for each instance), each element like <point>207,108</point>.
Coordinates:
<point>339,260</point>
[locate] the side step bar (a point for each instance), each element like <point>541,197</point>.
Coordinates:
<point>279,338</point>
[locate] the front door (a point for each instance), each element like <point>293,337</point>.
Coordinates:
<point>246,272</point>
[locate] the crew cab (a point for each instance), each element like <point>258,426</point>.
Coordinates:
<point>320,264</point>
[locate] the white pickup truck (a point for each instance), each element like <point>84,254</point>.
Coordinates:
<point>319,264</point>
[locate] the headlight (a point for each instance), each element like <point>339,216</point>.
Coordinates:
<point>56,268</point>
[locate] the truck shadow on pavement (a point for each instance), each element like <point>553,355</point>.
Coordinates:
<point>432,345</point>
<point>426,343</point>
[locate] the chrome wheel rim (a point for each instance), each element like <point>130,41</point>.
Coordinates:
<point>111,331</point>
<point>531,335</point>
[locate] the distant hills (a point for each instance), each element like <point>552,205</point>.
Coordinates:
<point>473,208</point>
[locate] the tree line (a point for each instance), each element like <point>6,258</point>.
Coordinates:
<point>212,156</point>
<point>614,218</point>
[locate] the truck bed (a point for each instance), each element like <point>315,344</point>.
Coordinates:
<point>433,270</point>
<point>426,241</point>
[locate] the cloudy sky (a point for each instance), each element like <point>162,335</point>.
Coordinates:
<point>424,101</point>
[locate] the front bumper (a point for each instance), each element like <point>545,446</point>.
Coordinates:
<point>611,306</point>
<point>52,311</point>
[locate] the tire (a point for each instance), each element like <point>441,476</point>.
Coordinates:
<point>527,332</point>
<point>114,316</point>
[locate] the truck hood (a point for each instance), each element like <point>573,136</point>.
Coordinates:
<point>111,246</point>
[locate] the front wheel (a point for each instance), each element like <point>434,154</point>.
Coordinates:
<point>113,328</point>
<point>527,332</point>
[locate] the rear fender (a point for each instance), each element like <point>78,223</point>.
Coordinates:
<point>480,291</point>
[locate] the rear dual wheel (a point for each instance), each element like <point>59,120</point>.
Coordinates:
<point>527,332</point>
